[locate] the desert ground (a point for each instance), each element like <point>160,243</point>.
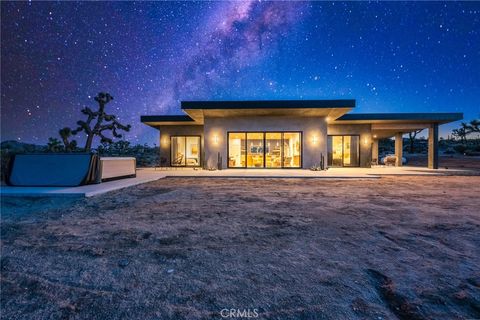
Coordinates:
<point>447,161</point>
<point>187,248</point>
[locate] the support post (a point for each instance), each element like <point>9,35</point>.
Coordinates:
<point>375,151</point>
<point>398,148</point>
<point>433,146</point>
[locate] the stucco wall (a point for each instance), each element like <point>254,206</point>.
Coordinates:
<point>185,130</point>
<point>310,126</point>
<point>365,132</point>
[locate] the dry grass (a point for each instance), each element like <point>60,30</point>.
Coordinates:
<point>396,247</point>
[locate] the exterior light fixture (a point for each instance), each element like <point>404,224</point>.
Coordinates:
<point>314,140</point>
<point>374,135</point>
<point>215,139</point>
<point>365,141</point>
<point>165,141</point>
<point>327,119</point>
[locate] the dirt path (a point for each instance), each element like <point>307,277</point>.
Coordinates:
<point>396,247</point>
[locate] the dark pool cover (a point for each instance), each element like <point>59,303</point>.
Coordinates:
<point>54,169</point>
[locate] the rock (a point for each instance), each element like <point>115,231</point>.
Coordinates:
<point>146,235</point>
<point>123,263</point>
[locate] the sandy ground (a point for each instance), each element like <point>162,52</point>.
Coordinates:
<point>389,248</point>
<point>446,161</point>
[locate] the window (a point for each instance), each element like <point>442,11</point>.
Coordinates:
<point>291,149</point>
<point>273,150</point>
<point>255,150</point>
<point>185,151</point>
<point>237,149</point>
<point>264,149</point>
<point>344,151</point>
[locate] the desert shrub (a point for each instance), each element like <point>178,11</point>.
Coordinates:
<point>471,153</point>
<point>449,151</point>
<point>460,148</point>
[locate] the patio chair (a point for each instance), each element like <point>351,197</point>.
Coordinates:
<point>390,160</point>
<point>178,160</point>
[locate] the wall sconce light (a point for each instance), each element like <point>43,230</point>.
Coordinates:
<point>314,140</point>
<point>165,141</point>
<point>215,139</point>
<point>375,136</point>
<point>327,119</point>
<point>365,141</point>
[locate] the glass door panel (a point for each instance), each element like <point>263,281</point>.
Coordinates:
<point>337,151</point>
<point>351,151</point>
<point>178,151</point>
<point>344,151</point>
<point>255,149</point>
<point>237,149</point>
<point>273,150</point>
<point>193,151</point>
<point>292,150</point>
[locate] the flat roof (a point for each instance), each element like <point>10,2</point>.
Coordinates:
<point>394,117</point>
<point>166,118</point>
<point>155,121</point>
<point>268,104</point>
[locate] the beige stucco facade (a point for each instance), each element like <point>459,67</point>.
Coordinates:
<point>316,120</point>
<point>166,132</point>
<point>314,133</point>
<point>362,130</point>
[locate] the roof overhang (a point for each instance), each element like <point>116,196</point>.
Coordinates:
<point>439,118</point>
<point>170,120</point>
<point>198,110</point>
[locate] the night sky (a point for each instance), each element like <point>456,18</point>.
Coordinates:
<point>390,57</point>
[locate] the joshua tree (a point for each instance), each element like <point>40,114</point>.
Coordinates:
<point>104,122</point>
<point>54,145</point>
<point>460,133</point>
<point>472,127</point>
<point>65,134</point>
<point>411,138</point>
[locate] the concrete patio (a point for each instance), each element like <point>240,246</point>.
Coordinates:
<point>91,190</point>
<point>145,175</point>
<point>331,173</point>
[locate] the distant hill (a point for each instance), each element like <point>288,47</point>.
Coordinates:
<point>19,147</point>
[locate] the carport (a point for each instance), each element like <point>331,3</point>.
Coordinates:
<point>387,125</point>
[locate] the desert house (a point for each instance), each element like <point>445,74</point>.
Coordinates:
<point>285,134</point>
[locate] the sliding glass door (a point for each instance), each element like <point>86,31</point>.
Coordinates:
<point>273,150</point>
<point>255,150</point>
<point>292,150</point>
<point>237,149</point>
<point>344,151</point>
<point>185,151</point>
<point>264,149</point>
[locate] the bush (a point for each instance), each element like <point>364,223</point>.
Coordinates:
<point>460,148</point>
<point>471,153</point>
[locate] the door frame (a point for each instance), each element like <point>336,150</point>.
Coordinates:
<point>199,150</point>
<point>264,148</point>
<point>344,135</point>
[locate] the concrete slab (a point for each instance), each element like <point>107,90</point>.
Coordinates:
<point>268,173</point>
<point>332,173</point>
<point>143,176</point>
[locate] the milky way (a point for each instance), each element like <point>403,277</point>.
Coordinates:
<point>239,35</point>
<point>391,57</point>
